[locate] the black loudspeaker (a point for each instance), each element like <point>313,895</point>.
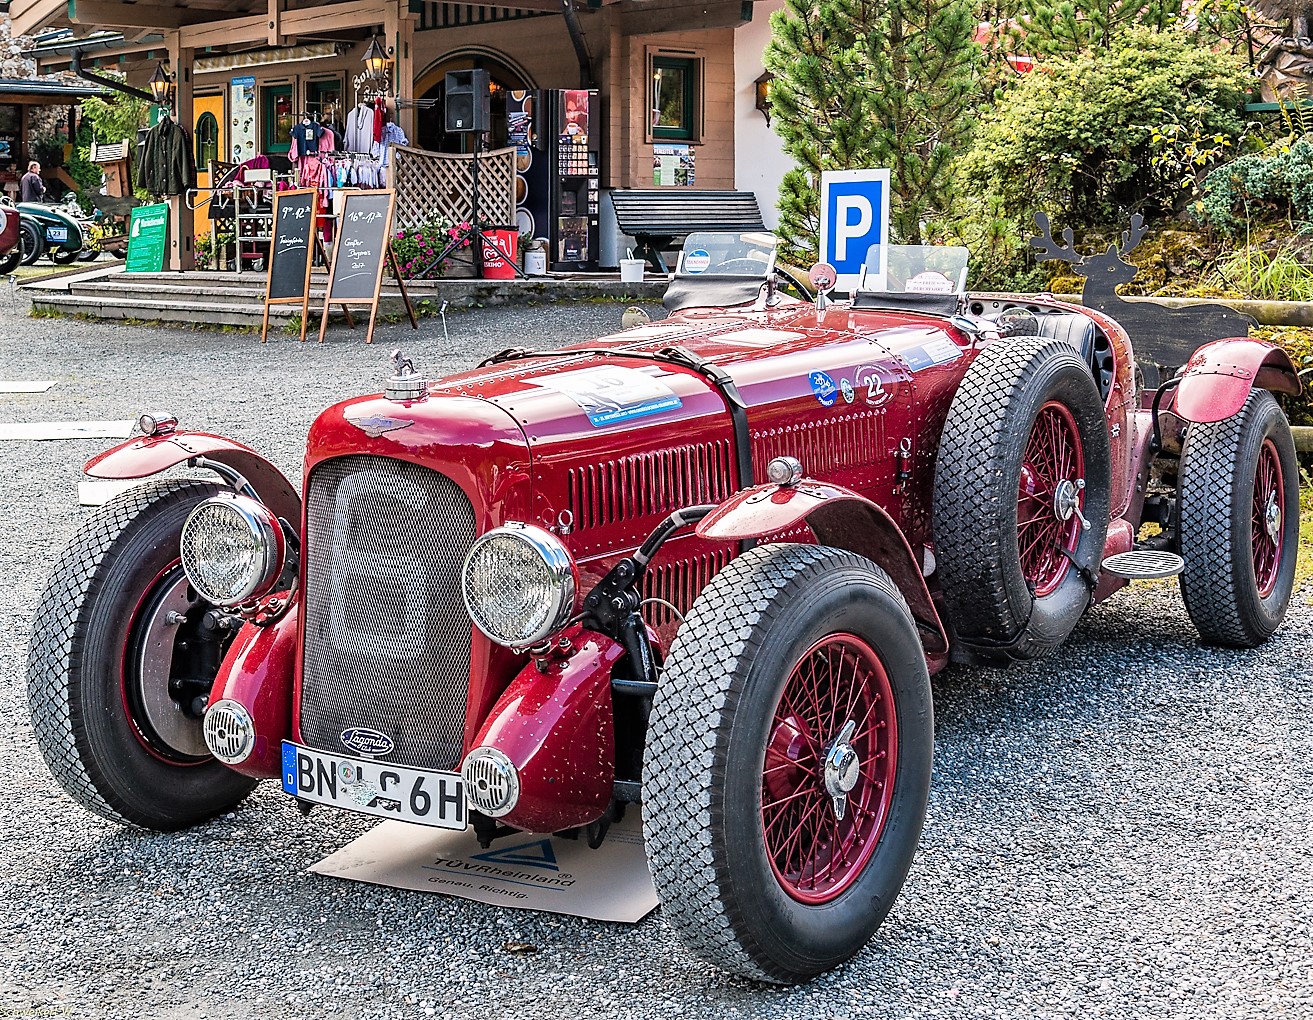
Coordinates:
<point>466,104</point>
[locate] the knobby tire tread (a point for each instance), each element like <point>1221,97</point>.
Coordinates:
<point>54,657</point>
<point>704,680</point>
<point>1213,575</point>
<point>974,452</point>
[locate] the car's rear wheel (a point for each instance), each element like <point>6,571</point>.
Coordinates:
<point>1023,465</point>
<point>1238,513</point>
<point>796,683</point>
<point>65,256</point>
<point>119,664</point>
<point>30,241</point>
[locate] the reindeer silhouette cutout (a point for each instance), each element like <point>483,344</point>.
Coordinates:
<point>1164,337</point>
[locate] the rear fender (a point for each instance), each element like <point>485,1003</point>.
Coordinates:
<point>837,517</point>
<point>1219,376</point>
<point>149,455</point>
<point>257,674</point>
<point>556,726</point>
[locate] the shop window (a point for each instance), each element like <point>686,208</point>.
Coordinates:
<point>207,140</point>
<point>674,97</point>
<point>324,99</point>
<point>278,118</point>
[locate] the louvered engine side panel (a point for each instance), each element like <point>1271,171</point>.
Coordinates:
<point>387,637</point>
<point>677,584</point>
<point>827,447</point>
<point>649,484</point>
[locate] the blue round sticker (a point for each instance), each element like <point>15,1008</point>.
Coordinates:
<point>824,387</point>
<point>697,261</point>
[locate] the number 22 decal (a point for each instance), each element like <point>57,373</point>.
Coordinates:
<point>879,383</point>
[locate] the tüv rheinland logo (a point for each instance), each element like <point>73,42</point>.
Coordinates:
<point>363,740</point>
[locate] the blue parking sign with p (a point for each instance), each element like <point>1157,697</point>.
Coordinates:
<point>855,223</point>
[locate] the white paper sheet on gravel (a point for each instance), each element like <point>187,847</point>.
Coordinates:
<point>98,493</point>
<point>527,870</point>
<point>25,387</point>
<point>66,429</point>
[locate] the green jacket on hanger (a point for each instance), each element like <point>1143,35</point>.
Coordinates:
<point>166,161</point>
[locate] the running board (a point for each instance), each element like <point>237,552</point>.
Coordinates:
<point>1144,564</point>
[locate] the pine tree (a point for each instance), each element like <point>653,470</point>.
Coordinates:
<point>871,83</point>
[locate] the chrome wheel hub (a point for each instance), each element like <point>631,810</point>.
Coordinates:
<point>841,769</point>
<point>1066,501</point>
<point>1272,517</point>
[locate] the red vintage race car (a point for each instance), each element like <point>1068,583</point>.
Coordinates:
<point>707,564</point>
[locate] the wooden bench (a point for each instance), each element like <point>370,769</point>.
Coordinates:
<point>656,219</point>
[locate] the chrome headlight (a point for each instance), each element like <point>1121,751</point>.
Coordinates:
<point>232,549</point>
<point>519,584</point>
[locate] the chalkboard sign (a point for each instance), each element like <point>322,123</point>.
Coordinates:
<point>148,235</point>
<point>290,253</point>
<point>360,246</point>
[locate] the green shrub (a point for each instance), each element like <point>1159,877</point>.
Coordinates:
<point>1274,184</point>
<point>1076,135</point>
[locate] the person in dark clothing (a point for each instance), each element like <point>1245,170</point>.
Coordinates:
<point>31,188</point>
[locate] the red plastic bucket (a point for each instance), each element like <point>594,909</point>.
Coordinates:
<point>494,266</point>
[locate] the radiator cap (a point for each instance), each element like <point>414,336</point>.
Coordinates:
<point>405,383</point>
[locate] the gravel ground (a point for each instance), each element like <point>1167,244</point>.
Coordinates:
<point>1123,830</point>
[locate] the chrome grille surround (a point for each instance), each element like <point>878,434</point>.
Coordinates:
<point>387,637</point>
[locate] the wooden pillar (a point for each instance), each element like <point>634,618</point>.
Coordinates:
<point>399,37</point>
<point>182,220</point>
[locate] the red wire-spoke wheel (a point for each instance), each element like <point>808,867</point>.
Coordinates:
<point>827,779</point>
<point>1238,522</point>
<point>1022,496</point>
<point>1267,518</point>
<point>787,762</point>
<point>1049,498</point>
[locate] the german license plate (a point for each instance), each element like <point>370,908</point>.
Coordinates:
<point>424,796</point>
<point>56,233</point>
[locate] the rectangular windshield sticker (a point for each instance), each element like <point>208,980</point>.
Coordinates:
<point>931,353</point>
<point>611,395</point>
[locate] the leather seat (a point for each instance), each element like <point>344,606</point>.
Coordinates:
<point>1074,328</point>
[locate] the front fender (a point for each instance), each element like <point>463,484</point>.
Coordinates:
<point>555,724</point>
<point>257,674</point>
<point>149,455</point>
<point>837,517</point>
<point>1219,377</point>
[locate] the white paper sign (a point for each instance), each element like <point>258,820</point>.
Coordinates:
<point>526,870</point>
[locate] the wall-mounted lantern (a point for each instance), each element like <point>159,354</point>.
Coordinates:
<point>763,87</point>
<point>375,58</point>
<point>161,85</point>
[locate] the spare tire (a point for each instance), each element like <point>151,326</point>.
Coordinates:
<point>1021,498</point>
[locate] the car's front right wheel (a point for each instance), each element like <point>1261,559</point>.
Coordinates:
<point>788,762</point>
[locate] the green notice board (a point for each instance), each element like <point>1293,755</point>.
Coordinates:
<point>148,236</point>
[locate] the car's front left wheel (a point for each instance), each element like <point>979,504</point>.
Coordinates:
<point>787,763</point>
<point>120,662</point>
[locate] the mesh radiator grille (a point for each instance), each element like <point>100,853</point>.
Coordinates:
<point>387,638</point>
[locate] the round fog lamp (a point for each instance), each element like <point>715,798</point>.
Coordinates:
<point>519,584</point>
<point>232,549</point>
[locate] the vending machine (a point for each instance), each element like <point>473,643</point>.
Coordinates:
<point>557,134</point>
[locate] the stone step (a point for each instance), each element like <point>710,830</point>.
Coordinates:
<point>216,298</point>
<point>163,309</point>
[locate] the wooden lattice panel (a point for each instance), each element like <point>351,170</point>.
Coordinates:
<point>439,185</point>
